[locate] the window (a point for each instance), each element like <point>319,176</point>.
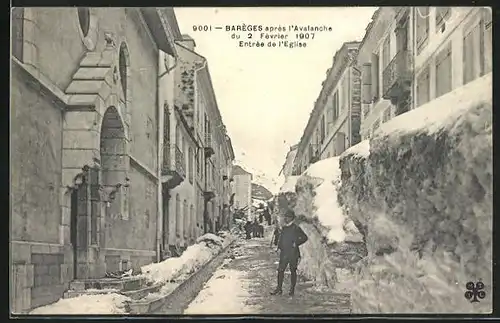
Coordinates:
<point>487,39</point>
<point>366,81</point>
<point>345,92</point>
<point>84,20</point>
<point>375,77</point>
<point>471,54</point>
<point>323,128</point>
<point>178,215</point>
<point>423,85</point>
<point>329,116</point>
<point>387,115</point>
<point>443,71</point>
<point>190,164</point>
<point>17,32</point>
<point>422,22</point>
<point>123,65</point>
<point>335,106</point>
<point>386,52</point>
<point>442,16</point>
<point>192,221</point>
<point>185,221</point>
<point>376,124</point>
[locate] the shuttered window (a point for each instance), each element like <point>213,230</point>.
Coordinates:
<point>487,32</point>
<point>366,81</point>
<point>17,33</point>
<point>471,54</point>
<point>375,77</point>
<point>423,86</point>
<point>422,17</point>
<point>323,126</point>
<point>335,106</point>
<point>443,71</point>
<point>442,16</point>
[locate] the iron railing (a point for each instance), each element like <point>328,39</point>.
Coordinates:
<point>208,139</point>
<point>399,69</point>
<point>180,162</point>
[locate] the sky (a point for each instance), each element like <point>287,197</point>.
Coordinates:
<point>265,94</point>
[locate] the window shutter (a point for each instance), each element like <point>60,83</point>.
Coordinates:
<point>366,79</point>
<point>375,75</point>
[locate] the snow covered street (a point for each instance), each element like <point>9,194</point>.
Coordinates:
<point>242,286</point>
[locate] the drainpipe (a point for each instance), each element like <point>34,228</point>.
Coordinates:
<point>161,121</point>
<point>203,145</point>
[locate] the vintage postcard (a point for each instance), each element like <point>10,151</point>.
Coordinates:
<point>251,161</point>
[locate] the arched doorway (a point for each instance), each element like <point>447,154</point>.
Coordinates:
<point>114,174</point>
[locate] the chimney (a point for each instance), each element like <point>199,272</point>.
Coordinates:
<point>188,42</point>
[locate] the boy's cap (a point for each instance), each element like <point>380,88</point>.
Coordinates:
<point>290,214</point>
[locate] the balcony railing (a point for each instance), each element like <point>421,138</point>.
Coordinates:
<point>180,162</point>
<point>208,140</point>
<point>397,75</point>
<point>166,159</point>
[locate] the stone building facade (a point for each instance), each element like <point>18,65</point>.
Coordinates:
<point>412,55</point>
<point>334,123</point>
<point>195,172</point>
<point>85,168</point>
<point>242,190</point>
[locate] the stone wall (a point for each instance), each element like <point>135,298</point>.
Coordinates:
<point>41,267</point>
<point>42,257</point>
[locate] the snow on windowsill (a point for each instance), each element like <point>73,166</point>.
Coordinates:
<point>441,112</point>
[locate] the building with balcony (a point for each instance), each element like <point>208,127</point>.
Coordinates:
<point>452,48</point>
<point>385,58</point>
<point>287,168</point>
<point>212,152</point>
<point>412,55</point>
<point>333,125</point>
<point>242,190</point>
<point>85,168</point>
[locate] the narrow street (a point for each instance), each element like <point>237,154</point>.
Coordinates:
<point>242,286</point>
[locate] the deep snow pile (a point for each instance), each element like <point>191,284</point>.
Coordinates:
<point>334,241</point>
<point>423,200</point>
<point>86,304</point>
<point>195,256</point>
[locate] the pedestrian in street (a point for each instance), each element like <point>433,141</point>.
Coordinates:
<point>267,216</point>
<point>248,229</point>
<point>255,228</point>
<point>261,231</point>
<point>291,238</point>
<point>276,235</point>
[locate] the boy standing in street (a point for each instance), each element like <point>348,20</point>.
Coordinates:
<point>290,239</point>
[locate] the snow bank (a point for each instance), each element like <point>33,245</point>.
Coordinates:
<point>362,149</point>
<point>289,185</point>
<point>224,293</point>
<point>326,207</point>
<point>195,256</point>
<point>422,199</point>
<point>85,304</point>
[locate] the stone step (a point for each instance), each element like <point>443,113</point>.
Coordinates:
<point>124,284</point>
<point>74,293</point>
<point>143,292</point>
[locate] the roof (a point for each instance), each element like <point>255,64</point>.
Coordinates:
<point>160,24</point>
<point>238,170</point>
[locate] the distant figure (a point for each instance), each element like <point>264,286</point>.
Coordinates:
<point>248,229</point>
<point>255,228</point>
<point>267,216</point>
<point>261,217</point>
<point>291,238</point>
<point>276,235</point>
<point>261,231</point>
